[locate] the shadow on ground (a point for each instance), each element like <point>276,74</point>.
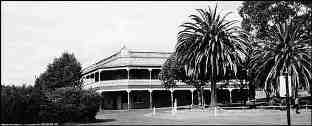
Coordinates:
<point>94,121</point>
<point>102,120</point>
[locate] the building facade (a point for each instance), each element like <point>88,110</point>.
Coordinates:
<point>128,79</point>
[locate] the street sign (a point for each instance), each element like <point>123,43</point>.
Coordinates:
<point>282,85</point>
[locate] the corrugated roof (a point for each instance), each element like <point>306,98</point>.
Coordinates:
<point>126,57</point>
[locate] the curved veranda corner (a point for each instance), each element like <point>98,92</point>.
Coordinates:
<point>128,79</point>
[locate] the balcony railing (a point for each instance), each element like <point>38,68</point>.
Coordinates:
<point>126,82</point>
<point>122,82</point>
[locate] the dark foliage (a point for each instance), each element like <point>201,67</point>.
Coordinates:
<point>171,71</point>
<point>74,104</point>
<point>56,97</point>
<point>259,16</point>
<point>32,105</point>
<point>20,104</point>
<point>62,72</point>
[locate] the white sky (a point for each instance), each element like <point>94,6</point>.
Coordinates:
<point>34,33</point>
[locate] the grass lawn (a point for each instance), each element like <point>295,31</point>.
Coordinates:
<point>198,116</point>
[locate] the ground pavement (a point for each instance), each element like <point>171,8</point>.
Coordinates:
<point>199,116</point>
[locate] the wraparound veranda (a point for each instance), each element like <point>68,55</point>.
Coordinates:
<point>137,99</point>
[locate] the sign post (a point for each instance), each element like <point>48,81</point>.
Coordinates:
<point>285,82</point>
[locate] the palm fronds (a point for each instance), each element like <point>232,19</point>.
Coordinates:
<point>210,46</point>
<point>287,49</point>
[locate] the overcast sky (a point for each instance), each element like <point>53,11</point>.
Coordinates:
<point>34,33</point>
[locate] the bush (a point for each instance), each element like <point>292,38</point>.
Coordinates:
<point>32,105</point>
<point>75,105</point>
<point>14,102</point>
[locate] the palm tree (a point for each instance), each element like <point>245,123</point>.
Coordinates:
<point>210,46</point>
<point>287,49</point>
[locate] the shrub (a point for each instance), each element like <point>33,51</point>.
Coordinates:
<point>14,102</point>
<point>90,103</point>
<point>74,104</point>
<point>32,105</point>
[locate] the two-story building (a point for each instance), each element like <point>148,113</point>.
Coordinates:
<point>129,79</point>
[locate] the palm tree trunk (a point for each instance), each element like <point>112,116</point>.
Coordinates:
<point>213,95</point>
<point>296,91</point>
<point>199,96</point>
<point>267,93</point>
<point>202,96</point>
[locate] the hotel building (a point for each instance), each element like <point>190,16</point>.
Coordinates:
<point>128,79</point>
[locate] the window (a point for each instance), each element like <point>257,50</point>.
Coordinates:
<point>96,76</point>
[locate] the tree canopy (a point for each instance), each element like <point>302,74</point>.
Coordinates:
<point>171,71</point>
<point>271,24</point>
<point>62,72</point>
<point>259,16</point>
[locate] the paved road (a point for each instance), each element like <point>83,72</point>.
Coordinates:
<point>197,117</point>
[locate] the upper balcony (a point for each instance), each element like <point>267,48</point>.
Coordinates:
<point>126,73</point>
<point>124,84</point>
<point>152,84</point>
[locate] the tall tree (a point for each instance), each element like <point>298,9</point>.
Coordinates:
<point>62,72</point>
<point>287,49</point>
<point>172,71</point>
<point>209,47</point>
<point>258,16</point>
